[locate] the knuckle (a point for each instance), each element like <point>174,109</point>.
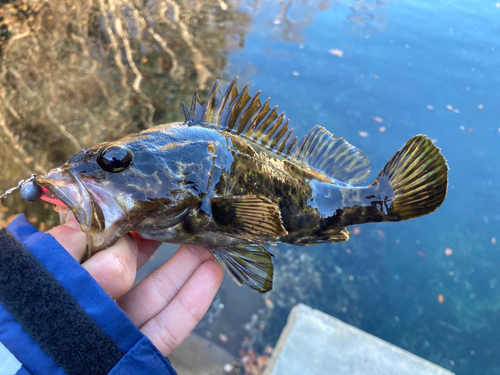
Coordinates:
<point>163,284</point>
<point>167,340</point>
<point>120,272</point>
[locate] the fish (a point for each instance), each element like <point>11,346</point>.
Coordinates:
<point>233,178</point>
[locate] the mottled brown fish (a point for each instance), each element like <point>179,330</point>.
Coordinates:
<point>232,178</point>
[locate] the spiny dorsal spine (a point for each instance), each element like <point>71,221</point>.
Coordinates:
<point>244,115</point>
<point>241,114</point>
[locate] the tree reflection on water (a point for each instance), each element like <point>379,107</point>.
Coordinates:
<point>74,74</point>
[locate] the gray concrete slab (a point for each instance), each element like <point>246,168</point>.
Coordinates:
<point>199,356</point>
<point>316,343</point>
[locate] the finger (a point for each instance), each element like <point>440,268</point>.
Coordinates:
<point>71,238</point>
<point>171,326</point>
<point>114,268</point>
<point>158,289</point>
<point>146,248</point>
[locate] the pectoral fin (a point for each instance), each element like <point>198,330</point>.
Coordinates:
<point>249,265</point>
<point>253,218</point>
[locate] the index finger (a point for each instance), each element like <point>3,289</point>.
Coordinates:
<point>70,236</point>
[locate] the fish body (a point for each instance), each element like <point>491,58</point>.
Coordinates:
<point>232,178</point>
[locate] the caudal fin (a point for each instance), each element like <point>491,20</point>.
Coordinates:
<point>418,176</point>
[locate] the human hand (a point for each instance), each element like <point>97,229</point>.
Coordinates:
<point>169,302</point>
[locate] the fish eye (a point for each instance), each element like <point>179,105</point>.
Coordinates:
<point>115,159</point>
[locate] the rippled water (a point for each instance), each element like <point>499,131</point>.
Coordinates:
<point>375,72</point>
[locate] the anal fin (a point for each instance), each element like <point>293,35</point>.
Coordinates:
<point>255,219</point>
<point>249,265</point>
<point>327,236</point>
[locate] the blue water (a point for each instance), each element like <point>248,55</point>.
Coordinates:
<point>422,67</point>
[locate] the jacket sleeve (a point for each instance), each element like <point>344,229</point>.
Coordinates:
<point>56,319</point>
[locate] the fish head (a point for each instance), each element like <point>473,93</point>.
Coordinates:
<point>113,186</point>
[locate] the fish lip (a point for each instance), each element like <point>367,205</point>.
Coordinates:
<point>71,190</point>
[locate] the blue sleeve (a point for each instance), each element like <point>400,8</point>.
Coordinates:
<point>55,318</point>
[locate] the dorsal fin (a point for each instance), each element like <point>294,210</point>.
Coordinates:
<point>239,113</point>
<point>333,156</point>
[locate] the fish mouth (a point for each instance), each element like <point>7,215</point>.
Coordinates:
<point>72,192</point>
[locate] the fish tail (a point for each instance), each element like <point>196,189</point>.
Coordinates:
<point>414,182</point>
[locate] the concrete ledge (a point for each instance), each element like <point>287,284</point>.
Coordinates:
<point>316,343</point>
<point>199,356</point>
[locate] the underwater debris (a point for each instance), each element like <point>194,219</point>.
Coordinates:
<point>223,338</point>
<point>421,254</point>
<point>336,52</point>
<point>363,134</point>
